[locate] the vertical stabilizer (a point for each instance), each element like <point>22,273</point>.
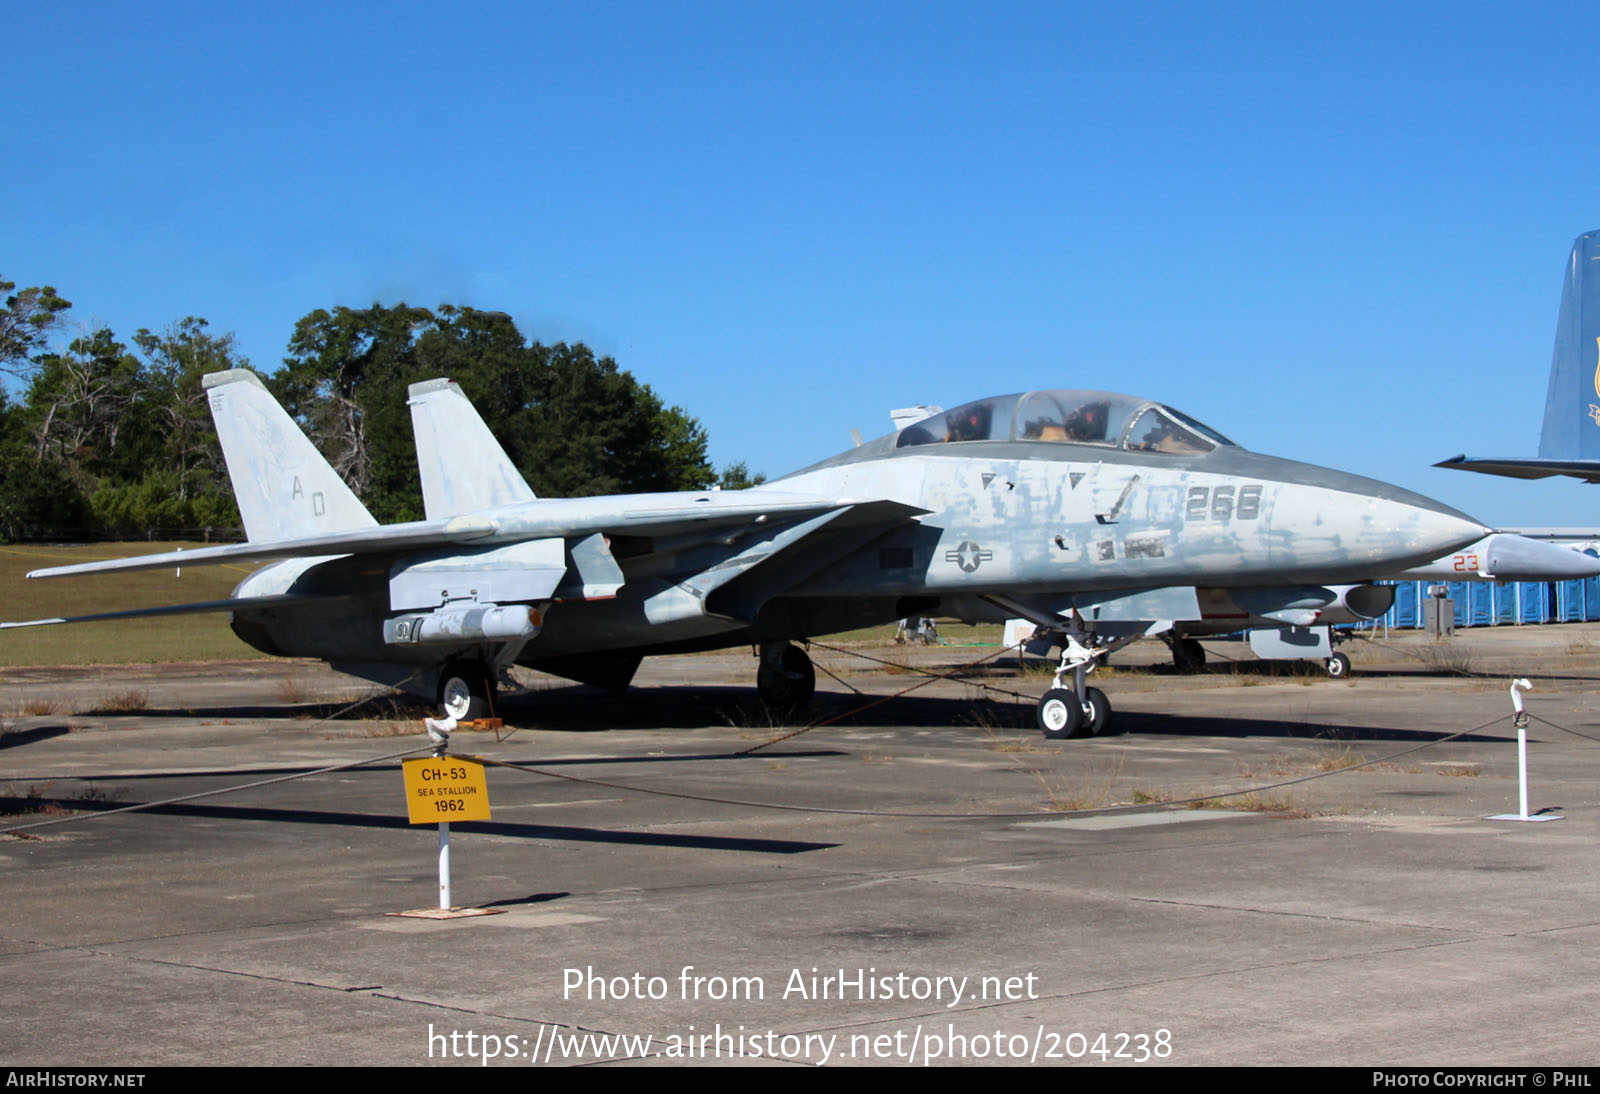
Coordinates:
<point>463,467</point>
<point>285,489</point>
<point>1572,402</point>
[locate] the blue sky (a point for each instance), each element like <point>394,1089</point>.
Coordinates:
<point>1333,232</point>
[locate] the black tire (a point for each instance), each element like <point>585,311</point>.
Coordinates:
<point>791,684</point>
<point>466,692</point>
<point>1188,655</point>
<point>1097,719</point>
<point>1339,666</point>
<point>1060,714</point>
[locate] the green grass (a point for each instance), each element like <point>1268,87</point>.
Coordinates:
<point>200,637</point>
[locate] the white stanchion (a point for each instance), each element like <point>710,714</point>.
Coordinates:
<point>1518,686</point>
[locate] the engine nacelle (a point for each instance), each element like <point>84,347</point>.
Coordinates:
<point>481,622</point>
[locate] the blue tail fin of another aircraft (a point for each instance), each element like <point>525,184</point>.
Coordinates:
<point>1570,441</point>
<point>1572,402</point>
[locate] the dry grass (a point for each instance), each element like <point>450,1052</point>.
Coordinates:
<point>1273,767</point>
<point>1090,790</point>
<point>1062,800</point>
<point>126,702</point>
<point>1445,657</point>
<point>1329,759</point>
<point>38,708</point>
<point>292,690</point>
<point>1337,758</point>
<point>1014,744</point>
<point>755,719</point>
<point>954,633</point>
<point>40,801</point>
<point>1003,731</point>
<point>1461,771</point>
<point>999,739</point>
<point>1278,805</point>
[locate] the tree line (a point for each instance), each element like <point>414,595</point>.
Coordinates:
<point>100,438</point>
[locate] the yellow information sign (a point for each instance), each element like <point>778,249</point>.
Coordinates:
<point>445,788</point>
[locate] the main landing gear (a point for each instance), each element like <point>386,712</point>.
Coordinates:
<point>786,679</point>
<point>1071,708</point>
<point>466,691</point>
<point>1187,654</point>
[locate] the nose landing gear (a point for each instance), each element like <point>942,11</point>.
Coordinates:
<point>1071,708</point>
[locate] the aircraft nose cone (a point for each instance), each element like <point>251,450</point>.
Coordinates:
<point>1377,536</point>
<point>1436,531</point>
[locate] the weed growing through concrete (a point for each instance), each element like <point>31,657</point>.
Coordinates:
<point>127,702</point>
<point>291,690</point>
<point>40,801</point>
<point>1278,805</point>
<point>1444,657</point>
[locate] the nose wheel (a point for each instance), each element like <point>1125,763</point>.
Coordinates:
<point>1062,715</point>
<point>1071,708</point>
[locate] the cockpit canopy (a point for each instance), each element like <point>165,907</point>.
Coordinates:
<point>1068,417</point>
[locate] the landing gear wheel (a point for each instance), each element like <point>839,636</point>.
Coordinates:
<point>1338,666</point>
<point>786,679</point>
<point>465,691</point>
<point>1188,655</point>
<point>1097,718</point>
<point>1060,714</point>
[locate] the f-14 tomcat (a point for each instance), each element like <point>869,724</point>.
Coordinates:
<point>1057,506</point>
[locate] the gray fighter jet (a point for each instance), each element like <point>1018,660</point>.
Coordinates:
<point>1058,506</point>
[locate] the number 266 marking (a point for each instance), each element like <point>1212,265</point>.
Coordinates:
<point>1224,503</point>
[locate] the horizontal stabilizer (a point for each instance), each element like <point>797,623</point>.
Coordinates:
<point>172,609</point>
<point>1513,468</point>
<point>392,538</point>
